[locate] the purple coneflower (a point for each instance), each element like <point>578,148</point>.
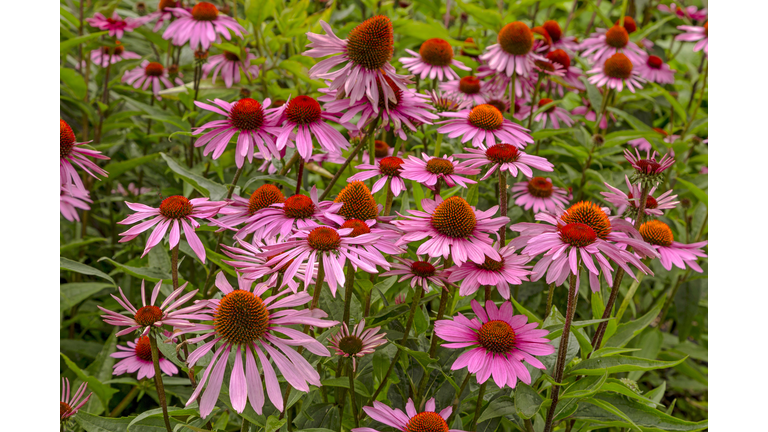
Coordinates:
<point>615,73</point>
<point>68,406</point>
<point>388,168</point>
<point>553,115</point>
<point>539,193</point>
<point>116,25</point>
<point>514,51</point>
<point>504,157</point>
<point>150,74</point>
<point>110,55</point>
<point>510,269</point>
<point>358,342</point>
<point>604,44</point>
<point>693,34</point>
<point>229,65</point>
<point>137,357</point>
<point>303,118</point>
<point>691,12</point>
<point>429,170</point>
<point>649,167</point>
<point>252,265</point>
<point>658,234</point>
<point>485,126</point>
<point>653,206</point>
<point>71,153</point>
<point>468,89</point>
<point>201,26</point>
<point>298,211</point>
<point>655,70</point>
<point>410,420</point>
<point>420,272</point>
<point>434,60</point>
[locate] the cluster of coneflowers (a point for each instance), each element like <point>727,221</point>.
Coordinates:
<point>287,246</point>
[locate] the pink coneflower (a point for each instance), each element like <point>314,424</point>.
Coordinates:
<point>165,12</point>
<point>704,170</point>
<point>247,324</point>
<point>246,117</point>
<point>303,115</point>
<point>174,212</point>
<point>240,210</point>
<point>548,68</point>
<point>298,211</point>
<point>496,84</point>
<point>454,229</point>
<point>658,234</point>
<point>201,26</point>
<point>442,102</point>
<point>572,73</point>
<point>653,206</point>
<point>388,168</point>
<point>643,145</point>
<point>553,115</point>
<point>500,341</point>
<point>648,166</point>
<point>590,114</point>
<point>358,342</point>
<point>150,74</point>
<point>434,60</point>
<point>252,265</point>
<point>504,157</point>
<point>691,12</point>
<point>510,269</point>
<point>116,25</point>
<point>71,199</point>
<point>604,44</point>
<point>468,89</point>
<point>615,73</point>
<point>432,169</point>
<point>655,70</point>
<point>514,52</point>
<point>693,34</point>
<point>410,420</point>
<point>410,109</point>
<point>364,60</point>
<point>583,231</point>
<point>330,246</point>
<point>137,356</point>
<point>539,193</point>
<point>420,272</point>
<point>149,315</point>
<point>68,406</point>
<point>110,55</point>
<point>229,65</point>
<point>559,41</point>
<point>71,153</point>
<point>485,126</point>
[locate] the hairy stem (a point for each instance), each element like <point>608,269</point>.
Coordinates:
<point>159,380</point>
<point>348,288</point>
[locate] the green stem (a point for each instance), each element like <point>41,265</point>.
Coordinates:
<point>671,297</point>
<point>438,143</point>
<point>352,399</point>
<point>696,108</point>
<point>550,296</point>
<point>159,380</point>
<point>457,399</point>
<point>478,405</point>
<point>348,288</point>
<point>124,403</point>
<point>175,266</point>
<point>623,12</point>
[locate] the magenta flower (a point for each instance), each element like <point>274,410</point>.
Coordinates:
<point>584,232</point>
<point>71,199</point>
<point>552,115</point>
<point>149,315</point>
<point>653,206</point>
<point>468,90</point>
<point>658,234</point>
<point>252,265</point>
<point>434,60</point>
<point>447,102</point>
<point>137,356</point>
<point>514,52</point>
<point>590,114</point>
<point>560,41</point>
<point>485,126</point>
<point>248,119</point>
<point>410,420</point>
<point>604,44</point>
<point>616,72</point>
<point>229,65</point>
<point>68,406</point>
<point>432,169</point>
<point>691,12</point>
<point>174,212</point>
<point>643,145</point>
<point>331,246</point>
<point>358,342</point>
<point>116,25</point>
<point>299,212</point>
<point>655,70</point>
<point>510,269</point>
<point>539,193</point>
<point>648,166</point>
<point>420,272</point>
<point>500,342</point>
<point>71,153</point>
<point>388,168</point>
<point>110,55</point>
<point>364,60</point>
<point>252,327</point>
<point>302,118</point>
<point>201,27</point>
<point>241,210</point>
<point>165,12</point>
<point>505,157</point>
<point>572,73</point>
<point>700,35</point>
<point>150,74</point>
<point>454,229</point>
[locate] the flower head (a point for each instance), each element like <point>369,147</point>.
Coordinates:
<point>616,72</point>
<point>149,74</point>
<point>606,43</point>
<point>540,194</point>
<point>552,115</point>
<point>700,35</point>
<point>500,342</point>
<point>71,153</point>
<point>71,199</point>
<point>504,157</point>
<point>653,206</point>
<point>429,170</point>
<point>559,40</point>
<point>468,89</point>
<point>655,70</point>
<point>68,406</point>
<point>254,326</point>
<point>229,65</point>
<point>389,167</point>
<point>107,55</point>
<point>251,264</point>
<point>116,25</point>
<point>247,118</point>
<point>514,51</point>
<point>420,272</point>
<point>303,118</point>
<point>175,212</point>
<point>660,236</point>
<point>648,170</point>
<point>691,12</point>
<point>510,269</point>
<point>358,342</point>
<point>454,229</point>
<point>434,60</point>
<point>410,420</point>
<point>485,126</point>
<point>201,26</point>
<point>137,356</point>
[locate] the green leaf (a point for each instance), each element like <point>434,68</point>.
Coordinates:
<point>546,133</point>
<point>621,137</point>
<point>158,412</point>
<point>473,194</point>
<point>258,10</point>
<point>518,307</point>
<point>228,47</point>
<point>695,190</point>
<point>116,168</point>
<point>487,17</point>
<point>577,392</point>
<point>77,243</point>
<point>500,407</point>
<point>74,81</point>
<point>71,43</point>
<point>273,424</point>
<point>92,423</point>
<point>213,190</point>
<point>617,386</point>
<point>102,391</point>
<point>344,383</point>
<point>612,409</point>
<point>687,306</point>
<point>421,357</point>
<point>616,364</point>
<point>625,332</point>
<point>101,368</point>
<point>527,401</point>
<point>633,121</point>
<point>71,294</point>
<point>147,273</point>
<point>643,416</point>
<point>68,264</point>
<point>680,114</point>
<point>271,179</point>
<point>418,194</point>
